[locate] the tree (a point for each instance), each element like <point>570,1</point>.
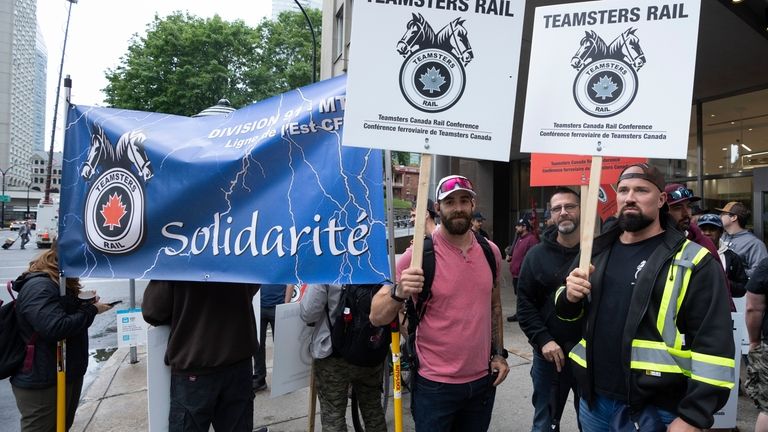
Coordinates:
<point>285,49</point>
<point>401,158</point>
<point>185,64</point>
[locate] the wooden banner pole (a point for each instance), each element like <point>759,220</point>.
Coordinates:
<point>589,213</point>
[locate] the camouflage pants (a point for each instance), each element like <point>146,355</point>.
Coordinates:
<point>757,377</point>
<point>333,376</point>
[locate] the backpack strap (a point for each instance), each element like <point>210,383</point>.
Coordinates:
<point>9,287</point>
<point>488,252</point>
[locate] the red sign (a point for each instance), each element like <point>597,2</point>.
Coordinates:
<point>606,202</point>
<point>566,170</point>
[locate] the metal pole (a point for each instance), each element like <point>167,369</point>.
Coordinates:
<point>132,286</point>
<point>390,210</point>
<point>314,43</point>
<point>2,216</point>
<point>47,197</point>
<point>29,185</point>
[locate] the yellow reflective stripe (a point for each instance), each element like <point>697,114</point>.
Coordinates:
<point>719,383</point>
<point>713,360</point>
<point>656,367</point>
<point>579,353</point>
<point>653,356</point>
<point>669,284</point>
<point>559,291</point>
<point>696,260</point>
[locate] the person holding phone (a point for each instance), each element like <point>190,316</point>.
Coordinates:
<point>45,317</point>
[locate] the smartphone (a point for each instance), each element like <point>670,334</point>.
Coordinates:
<point>115,302</point>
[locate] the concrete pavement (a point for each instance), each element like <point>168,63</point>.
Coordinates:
<point>116,401</point>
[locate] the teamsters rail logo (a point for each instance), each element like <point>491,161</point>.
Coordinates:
<point>432,77</point>
<point>606,83</point>
<point>115,205</point>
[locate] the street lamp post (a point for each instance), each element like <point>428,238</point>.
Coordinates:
<point>2,216</point>
<point>29,185</point>
<point>47,196</point>
<point>314,43</point>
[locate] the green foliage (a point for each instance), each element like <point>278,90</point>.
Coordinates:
<point>401,158</point>
<point>185,64</point>
<point>401,204</point>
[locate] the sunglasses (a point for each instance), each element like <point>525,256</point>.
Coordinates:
<point>454,183</point>
<point>680,193</point>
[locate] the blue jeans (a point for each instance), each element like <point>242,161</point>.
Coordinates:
<point>440,407</point>
<point>550,392</point>
<point>598,418</point>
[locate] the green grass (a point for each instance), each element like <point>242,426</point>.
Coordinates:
<point>401,203</point>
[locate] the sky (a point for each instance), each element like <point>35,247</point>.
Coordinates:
<point>99,33</point>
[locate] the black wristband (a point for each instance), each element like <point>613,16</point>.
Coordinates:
<point>393,294</point>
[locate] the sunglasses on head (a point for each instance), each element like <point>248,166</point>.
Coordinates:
<point>454,183</point>
<point>680,193</point>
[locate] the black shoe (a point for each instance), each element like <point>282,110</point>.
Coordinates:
<point>259,385</point>
<point>262,429</point>
<point>512,318</point>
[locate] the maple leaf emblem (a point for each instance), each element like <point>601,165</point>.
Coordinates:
<point>432,80</point>
<point>604,87</point>
<point>113,211</point>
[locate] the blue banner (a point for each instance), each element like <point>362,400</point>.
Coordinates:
<point>264,194</point>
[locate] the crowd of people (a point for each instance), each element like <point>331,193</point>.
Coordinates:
<point>641,339</point>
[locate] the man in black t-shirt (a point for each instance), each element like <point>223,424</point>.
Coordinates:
<point>650,349</point>
<point>757,327</point>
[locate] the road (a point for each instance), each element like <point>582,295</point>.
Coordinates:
<point>103,331</point>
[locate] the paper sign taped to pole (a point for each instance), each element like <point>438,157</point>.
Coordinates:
<point>434,77</point>
<point>563,170</point>
<point>612,78</point>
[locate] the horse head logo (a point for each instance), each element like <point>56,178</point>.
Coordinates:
<point>418,35</point>
<point>130,147</point>
<point>452,38</point>
<point>626,47</point>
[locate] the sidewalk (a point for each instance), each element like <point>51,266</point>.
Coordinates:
<point>117,400</point>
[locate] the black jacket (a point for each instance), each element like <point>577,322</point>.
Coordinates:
<point>212,323</point>
<point>704,318</point>
<point>544,270</point>
<point>40,308</point>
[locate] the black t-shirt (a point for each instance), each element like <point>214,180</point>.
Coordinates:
<point>624,264</point>
<point>758,284</point>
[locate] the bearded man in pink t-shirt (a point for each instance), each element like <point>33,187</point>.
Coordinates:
<point>459,340</point>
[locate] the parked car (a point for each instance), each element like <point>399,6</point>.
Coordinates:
<point>16,225</point>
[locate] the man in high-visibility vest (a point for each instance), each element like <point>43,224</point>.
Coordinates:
<point>658,345</point>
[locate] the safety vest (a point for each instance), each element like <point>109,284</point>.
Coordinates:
<point>667,355</point>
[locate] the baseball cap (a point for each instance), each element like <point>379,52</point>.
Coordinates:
<point>452,183</point>
<point>710,219</point>
<point>478,216</point>
<point>677,193</point>
<point>736,208</point>
<point>650,173</point>
<point>524,222</point>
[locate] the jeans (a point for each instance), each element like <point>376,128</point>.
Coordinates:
<point>440,407</point>
<point>599,417</point>
<point>550,392</point>
<point>260,361</point>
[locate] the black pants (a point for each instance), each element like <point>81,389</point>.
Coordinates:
<point>223,398</point>
<point>260,361</point>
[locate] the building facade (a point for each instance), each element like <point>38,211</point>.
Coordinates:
<point>38,164</point>
<point>18,36</point>
<point>728,140</point>
<point>41,77</point>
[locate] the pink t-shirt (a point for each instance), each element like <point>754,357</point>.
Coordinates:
<point>453,340</point>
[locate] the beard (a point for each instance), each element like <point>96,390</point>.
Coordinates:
<point>457,223</point>
<point>634,222</point>
<point>684,224</point>
<point>567,226</point>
